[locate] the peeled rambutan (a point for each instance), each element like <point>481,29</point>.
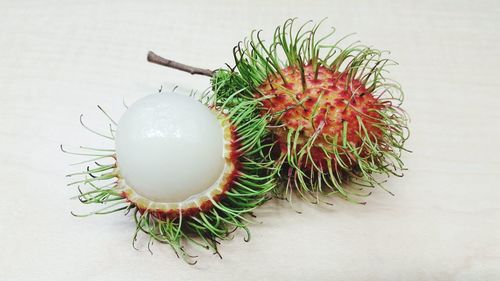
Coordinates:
<point>188,172</point>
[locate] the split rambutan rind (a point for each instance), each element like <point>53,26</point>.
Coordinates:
<point>202,219</point>
<point>335,119</point>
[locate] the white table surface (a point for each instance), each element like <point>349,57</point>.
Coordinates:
<point>58,60</point>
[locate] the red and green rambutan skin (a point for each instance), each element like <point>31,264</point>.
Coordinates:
<point>329,103</point>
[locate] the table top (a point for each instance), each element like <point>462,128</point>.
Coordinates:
<point>58,60</point>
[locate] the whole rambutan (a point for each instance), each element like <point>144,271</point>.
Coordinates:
<point>335,119</point>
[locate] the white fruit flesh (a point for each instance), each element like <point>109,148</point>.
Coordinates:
<point>169,148</point>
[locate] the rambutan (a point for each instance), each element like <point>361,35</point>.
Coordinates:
<point>334,117</point>
<point>188,172</point>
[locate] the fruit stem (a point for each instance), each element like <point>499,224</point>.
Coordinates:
<point>154,58</point>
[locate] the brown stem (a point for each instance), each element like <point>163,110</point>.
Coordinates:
<point>154,58</point>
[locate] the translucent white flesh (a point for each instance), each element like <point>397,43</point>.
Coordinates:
<point>169,147</point>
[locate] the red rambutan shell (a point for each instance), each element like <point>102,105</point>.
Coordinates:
<point>320,105</point>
